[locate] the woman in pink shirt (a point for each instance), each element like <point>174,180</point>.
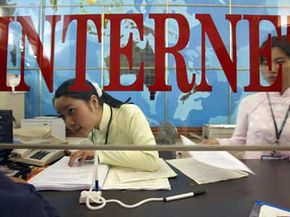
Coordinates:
<point>263,117</point>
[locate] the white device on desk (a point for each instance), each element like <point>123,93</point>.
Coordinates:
<point>36,157</point>
<point>51,130</point>
<point>57,125</point>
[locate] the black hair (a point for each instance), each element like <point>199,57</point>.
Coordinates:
<point>282,44</point>
<point>63,90</point>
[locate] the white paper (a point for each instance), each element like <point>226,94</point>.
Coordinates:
<point>60,176</point>
<point>269,211</point>
<point>221,159</point>
<point>113,182</point>
<point>203,173</point>
<point>131,175</point>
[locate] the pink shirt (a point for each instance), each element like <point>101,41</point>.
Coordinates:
<point>255,124</point>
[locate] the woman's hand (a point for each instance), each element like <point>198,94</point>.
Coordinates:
<point>209,142</point>
<point>78,157</point>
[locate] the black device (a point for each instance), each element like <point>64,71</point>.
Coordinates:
<point>6,126</point>
<point>6,133</point>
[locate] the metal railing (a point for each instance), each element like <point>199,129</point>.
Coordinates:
<point>120,147</point>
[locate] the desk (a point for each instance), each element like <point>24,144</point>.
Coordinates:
<point>224,199</point>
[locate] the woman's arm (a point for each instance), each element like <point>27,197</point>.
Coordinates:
<point>239,136</point>
<point>139,133</point>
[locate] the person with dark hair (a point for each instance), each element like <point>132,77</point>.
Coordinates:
<point>21,199</point>
<point>263,117</point>
<point>105,120</point>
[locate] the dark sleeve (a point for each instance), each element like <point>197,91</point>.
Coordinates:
<point>22,200</point>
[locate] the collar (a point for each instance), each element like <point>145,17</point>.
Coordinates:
<point>286,94</point>
<point>105,118</point>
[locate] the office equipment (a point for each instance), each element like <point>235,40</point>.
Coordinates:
<point>167,133</point>
<point>36,157</point>
<point>217,130</point>
<point>57,125</point>
<point>60,176</point>
<point>14,102</point>
<point>36,135</point>
<point>185,195</point>
<point>6,126</point>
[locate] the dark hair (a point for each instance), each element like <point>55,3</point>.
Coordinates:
<point>283,44</point>
<point>63,90</point>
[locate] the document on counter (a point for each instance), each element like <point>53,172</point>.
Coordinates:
<point>210,166</point>
<point>114,183</point>
<point>203,173</point>
<point>264,209</point>
<point>132,175</point>
<point>62,177</point>
<point>269,211</point>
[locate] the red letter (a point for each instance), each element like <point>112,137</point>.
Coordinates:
<point>229,66</point>
<point>52,19</point>
<point>45,66</point>
<point>81,45</point>
<point>288,29</point>
<point>255,52</point>
<point>4,22</point>
<point>161,50</point>
<point>116,51</point>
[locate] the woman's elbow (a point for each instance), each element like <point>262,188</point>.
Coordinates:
<point>153,163</point>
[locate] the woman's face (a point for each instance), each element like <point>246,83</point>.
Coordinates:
<point>79,116</point>
<point>278,57</point>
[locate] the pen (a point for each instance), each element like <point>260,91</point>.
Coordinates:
<point>185,195</point>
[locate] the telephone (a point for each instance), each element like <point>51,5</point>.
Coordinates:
<point>38,136</point>
<point>36,157</point>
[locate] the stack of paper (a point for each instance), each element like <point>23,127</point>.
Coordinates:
<point>217,130</point>
<point>60,176</point>
<point>125,178</point>
<point>210,166</point>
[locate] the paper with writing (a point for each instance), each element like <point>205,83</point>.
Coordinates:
<point>113,182</point>
<point>131,175</point>
<point>62,177</point>
<point>203,173</point>
<point>221,159</point>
